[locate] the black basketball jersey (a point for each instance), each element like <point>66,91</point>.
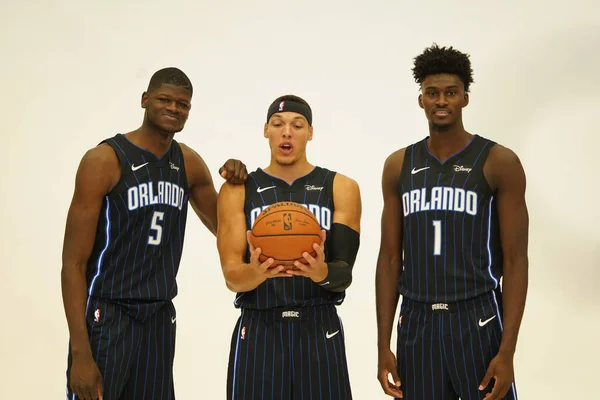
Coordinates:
<point>451,238</point>
<point>141,228</point>
<point>314,191</point>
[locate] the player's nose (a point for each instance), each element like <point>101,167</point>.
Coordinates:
<point>442,101</point>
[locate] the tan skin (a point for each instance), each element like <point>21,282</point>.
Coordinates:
<point>233,237</point>
<point>442,99</point>
<point>167,109</point>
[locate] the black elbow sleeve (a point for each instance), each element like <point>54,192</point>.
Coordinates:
<point>343,248</point>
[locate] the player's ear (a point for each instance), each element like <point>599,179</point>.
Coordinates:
<point>466,100</point>
<point>265,130</point>
<point>145,99</point>
<point>421,101</point>
<point>310,133</point>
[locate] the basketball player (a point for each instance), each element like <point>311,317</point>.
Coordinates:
<point>454,223</point>
<point>122,247</point>
<point>289,342</point>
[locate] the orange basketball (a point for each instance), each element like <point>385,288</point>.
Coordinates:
<point>284,231</point>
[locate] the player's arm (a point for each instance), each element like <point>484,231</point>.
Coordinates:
<point>509,180</point>
<point>506,175</point>
<point>389,268</point>
<point>335,275</point>
<point>203,195</point>
<point>232,242</point>
<point>98,172</point>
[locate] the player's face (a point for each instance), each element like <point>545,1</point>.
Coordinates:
<point>288,134</point>
<point>167,107</point>
<point>443,98</point>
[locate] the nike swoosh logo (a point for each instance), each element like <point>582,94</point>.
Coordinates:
<point>416,171</point>
<point>482,323</point>
<point>260,190</point>
<point>173,320</point>
<point>330,335</point>
<point>134,168</point>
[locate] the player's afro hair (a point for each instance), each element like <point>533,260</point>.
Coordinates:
<point>443,60</point>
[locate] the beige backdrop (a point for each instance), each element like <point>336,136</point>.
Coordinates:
<point>73,72</point>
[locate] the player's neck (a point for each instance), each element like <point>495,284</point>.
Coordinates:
<point>289,173</point>
<point>443,143</point>
<point>150,139</point>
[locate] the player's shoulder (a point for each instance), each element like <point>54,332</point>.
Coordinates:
<point>395,158</point>
<point>232,191</point>
<point>502,154</point>
<point>393,163</point>
<point>101,156</point>
<point>344,184</point>
<point>186,150</point>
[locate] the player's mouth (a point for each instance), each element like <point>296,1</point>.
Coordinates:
<point>170,118</point>
<point>441,112</point>
<point>286,148</point>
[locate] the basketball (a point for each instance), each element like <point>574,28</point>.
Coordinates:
<point>284,231</point>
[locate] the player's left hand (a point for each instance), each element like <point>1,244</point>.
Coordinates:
<point>234,171</point>
<point>502,370</point>
<point>316,269</point>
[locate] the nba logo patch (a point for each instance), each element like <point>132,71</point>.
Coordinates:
<point>281,105</point>
<point>400,321</point>
<point>243,333</point>
<point>287,221</point>
<point>97,315</point>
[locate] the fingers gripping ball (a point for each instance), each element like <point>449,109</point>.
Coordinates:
<point>284,231</point>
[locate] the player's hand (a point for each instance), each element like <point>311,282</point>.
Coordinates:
<point>502,370</point>
<point>316,269</point>
<point>266,269</point>
<point>386,367</point>
<point>234,171</point>
<point>86,380</point>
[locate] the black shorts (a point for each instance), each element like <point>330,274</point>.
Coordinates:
<point>444,349</point>
<point>284,354</point>
<point>135,358</point>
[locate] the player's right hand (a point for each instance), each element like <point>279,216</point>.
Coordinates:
<point>266,269</point>
<point>387,366</point>
<point>86,380</point>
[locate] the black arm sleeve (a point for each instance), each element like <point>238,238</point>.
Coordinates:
<point>344,247</point>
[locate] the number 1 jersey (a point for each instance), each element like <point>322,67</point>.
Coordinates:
<point>451,238</point>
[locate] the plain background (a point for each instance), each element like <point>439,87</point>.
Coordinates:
<point>73,73</point>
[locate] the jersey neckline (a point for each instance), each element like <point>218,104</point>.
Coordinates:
<point>463,150</point>
<point>148,151</point>
<point>282,182</point>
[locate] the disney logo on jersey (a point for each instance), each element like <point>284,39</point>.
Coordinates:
<point>460,168</point>
<point>173,166</point>
<point>312,187</point>
<point>322,213</point>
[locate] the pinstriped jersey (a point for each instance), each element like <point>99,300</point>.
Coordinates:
<point>141,228</point>
<point>451,236</point>
<point>314,191</point>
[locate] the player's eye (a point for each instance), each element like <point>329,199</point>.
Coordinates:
<point>183,105</point>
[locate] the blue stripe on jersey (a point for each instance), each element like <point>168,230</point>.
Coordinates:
<point>235,357</point>
<point>489,234</point>
<point>101,257</point>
